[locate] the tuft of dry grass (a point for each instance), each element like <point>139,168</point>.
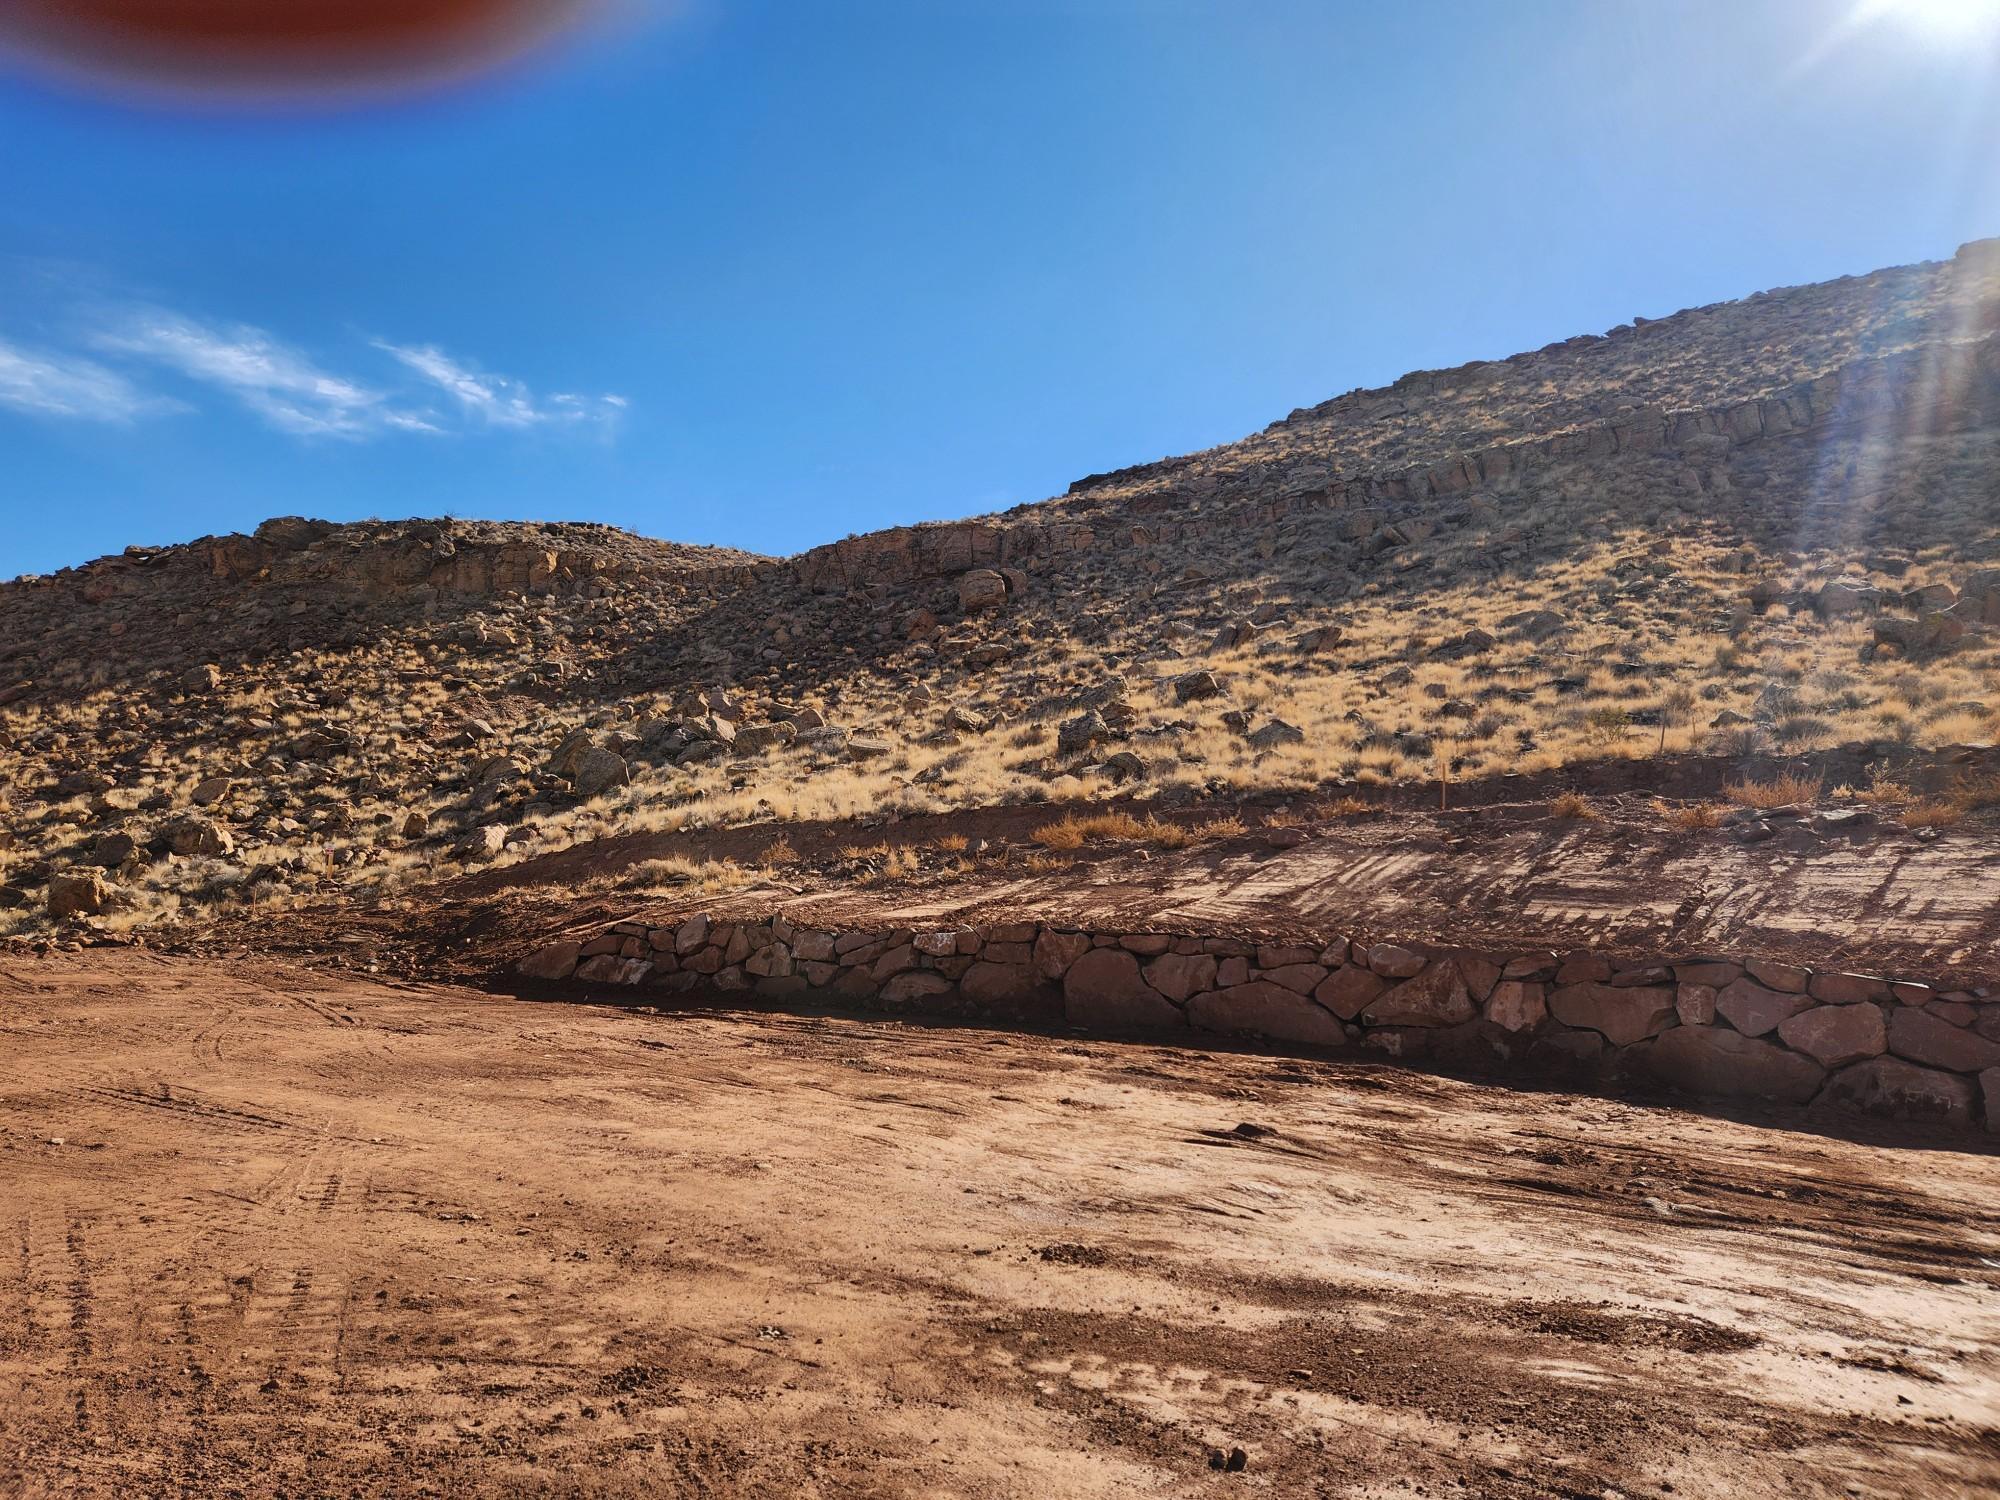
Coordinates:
<point>1791,788</point>
<point>1074,832</point>
<point>1933,812</point>
<point>1342,807</point>
<point>1574,807</point>
<point>1689,816</point>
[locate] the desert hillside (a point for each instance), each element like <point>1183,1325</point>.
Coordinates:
<point>1766,528</point>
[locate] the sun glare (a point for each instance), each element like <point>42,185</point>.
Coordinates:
<point>1944,21</point>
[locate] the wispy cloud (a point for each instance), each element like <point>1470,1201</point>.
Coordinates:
<point>120,358</point>
<point>66,385</point>
<point>498,400</point>
<point>281,384</point>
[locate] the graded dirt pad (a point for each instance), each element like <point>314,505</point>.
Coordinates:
<point>270,1231</point>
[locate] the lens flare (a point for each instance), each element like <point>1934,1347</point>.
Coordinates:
<point>1939,20</point>
<point>276,49</point>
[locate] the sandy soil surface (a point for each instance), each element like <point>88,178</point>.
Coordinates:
<point>270,1231</point>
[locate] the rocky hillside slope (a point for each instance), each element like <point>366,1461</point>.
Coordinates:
<point>1765,525</point>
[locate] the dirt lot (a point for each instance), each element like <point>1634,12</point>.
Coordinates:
<point>270,1231</point>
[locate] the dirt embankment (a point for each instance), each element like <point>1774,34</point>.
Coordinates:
<point>274,1231</point>
<point>1499,870</point>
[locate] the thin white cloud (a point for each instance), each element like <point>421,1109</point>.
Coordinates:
<point>498,400</point>
<point>280,384</point>
<point>47,384</point>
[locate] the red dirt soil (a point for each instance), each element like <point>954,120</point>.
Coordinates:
<point>275,1231</point>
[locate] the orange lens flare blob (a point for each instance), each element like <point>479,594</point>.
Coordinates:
<point>281,48</point>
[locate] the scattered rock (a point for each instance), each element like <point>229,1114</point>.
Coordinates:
<point>77,893</point>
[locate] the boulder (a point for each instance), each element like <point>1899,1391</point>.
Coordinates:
<point>1301,978</point>
<point>772,961</point>
<point>981,589</point>
<point>1275,733</point>
<point>914,985</point>
<point>1712,1060</point>
<point>1470,643</point>
<point>1989,1087</point>
<point>1925,1038</point>
<point>1436,996</point>
<point>1266,1009</point>
<point>196,837</point>
<point>1622,1014</point>
<point>1517,1005</point>
<point>483,842</point>
<point>206,678</point>
<point>1776,976</point>
<point>1194,686</point>
<point>1105,991</point>
<point>754,739</point>
<point>1695,1004</point>
<point>1843,597</point>
<point>1319,639</point>
<point>1392,962</point>
<point>1846,989</point>
<point>1179,975</point>
<point>1081,732</point>
<point>610,968</point>
<point>598,771</point>
<point>1348,990</point>
<point>1835,1035</point>
<point>573,747</point>
<point>1753,1010</point>
<point>556,961</point>
<point>987,983</point>
<point>77,893</point>
<point>1056,951</point>
<point>1889,1086</point>
<point>962,720</point>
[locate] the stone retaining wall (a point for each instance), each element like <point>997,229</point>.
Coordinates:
<point>1728,1027</point>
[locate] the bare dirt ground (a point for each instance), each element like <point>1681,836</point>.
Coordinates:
<point>272,1231</point>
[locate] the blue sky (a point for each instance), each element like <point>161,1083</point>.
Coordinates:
<point>764,274</point>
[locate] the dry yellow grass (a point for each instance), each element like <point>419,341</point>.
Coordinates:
<point>1574,807</point>
<point>1689,816</point>
<point>1933,812</point>
<point>1074,832</point>
<point>1787,789</point>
